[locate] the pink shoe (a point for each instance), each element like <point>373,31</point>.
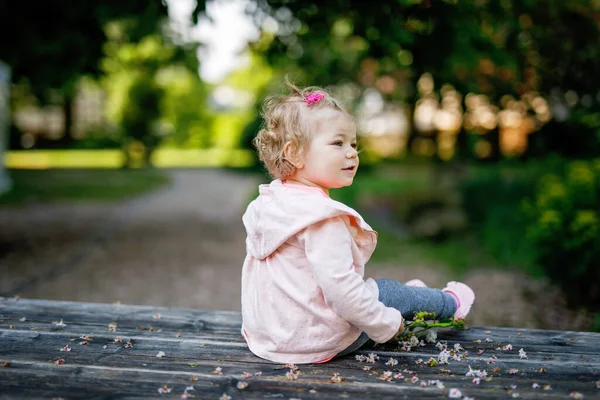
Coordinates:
<point>464,297</point>
<point>416,282</point>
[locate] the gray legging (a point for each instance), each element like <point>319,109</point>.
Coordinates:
<point>408,300</point>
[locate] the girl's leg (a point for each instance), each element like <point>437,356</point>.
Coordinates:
<point>358,343</point>
<point>410,299</point>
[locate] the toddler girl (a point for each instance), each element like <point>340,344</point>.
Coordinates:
<point>304,298</point>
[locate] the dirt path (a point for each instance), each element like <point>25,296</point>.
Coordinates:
<point>183,246</point>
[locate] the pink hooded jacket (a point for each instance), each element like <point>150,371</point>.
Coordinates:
<point>304,298</point>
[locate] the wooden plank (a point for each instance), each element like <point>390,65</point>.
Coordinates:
<point>48,344</point>
<point>208,340</point>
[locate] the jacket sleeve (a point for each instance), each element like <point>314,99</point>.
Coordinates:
<point>328,246</point>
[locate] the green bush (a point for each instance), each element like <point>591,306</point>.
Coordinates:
<point>564,229</point>
<point>491,195</point>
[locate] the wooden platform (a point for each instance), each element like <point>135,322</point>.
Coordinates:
<point>54,349</point>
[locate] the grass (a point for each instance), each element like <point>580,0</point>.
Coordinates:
<point>459,255</point>
<point>75,185</point>
<point>161,158</point>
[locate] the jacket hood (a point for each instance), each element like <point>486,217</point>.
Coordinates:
<point>280,212</point>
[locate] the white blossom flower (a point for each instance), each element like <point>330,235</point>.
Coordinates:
<point>392,362</point>
<point>513,371</point>
<point>522,354</point>
<point>160,354</point>
<point>242,385</point>
<point>414,341</point>
<point>476,381</point>
<point>164,389</point>
<point>218,371</point>
<point>443,357</point>
<point>372,358</point>
<point>291,375</point>
<point>225,396</point>
<point>507,347</point>
<point>360,358</point>
<point>535,385</point>
<point>431,336</point>
<point>575,395</point>
<point>66,348</point>
<point>488,340</point>
<point>437,383</point>
<point>414,379</point>
<point>386,376</point>
<point>60,323</point>
<point>441,346</point>
<point>336,378</point>
<point>458,347</point>
<point>455,394</point>
<point>398,376</point>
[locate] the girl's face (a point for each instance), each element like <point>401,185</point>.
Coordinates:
<point>331,159</point>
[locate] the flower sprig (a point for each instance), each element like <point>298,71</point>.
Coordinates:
<point>425,321</point>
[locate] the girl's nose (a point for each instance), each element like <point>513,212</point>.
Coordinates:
<point>352,153</point>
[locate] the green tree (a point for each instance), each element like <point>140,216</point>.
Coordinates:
<point>49,45</point>
<point>154,91</point>
<point>490,47</point>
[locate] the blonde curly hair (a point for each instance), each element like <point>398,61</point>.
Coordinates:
<point>289,119</point>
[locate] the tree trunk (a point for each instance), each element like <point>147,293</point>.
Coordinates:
<point>68,97</point>
<point>5,81</point>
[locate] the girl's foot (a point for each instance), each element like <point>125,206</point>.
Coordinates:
<point>416,282</point>
<point>464,297</point>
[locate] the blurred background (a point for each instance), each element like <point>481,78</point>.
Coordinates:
<point>126,159</point>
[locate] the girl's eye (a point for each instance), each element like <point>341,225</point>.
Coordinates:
<point>354,145</point>
<point>338,143</point>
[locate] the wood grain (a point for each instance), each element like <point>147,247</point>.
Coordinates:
<point>196,342</point>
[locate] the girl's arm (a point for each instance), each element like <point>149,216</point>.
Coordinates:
<point>328,247</point>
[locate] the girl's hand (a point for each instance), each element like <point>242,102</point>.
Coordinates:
<point>399,332</point>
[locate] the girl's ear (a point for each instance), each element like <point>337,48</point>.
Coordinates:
<point>292,154</point>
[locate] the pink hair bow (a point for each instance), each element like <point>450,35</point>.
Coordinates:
<point>313,98</point>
